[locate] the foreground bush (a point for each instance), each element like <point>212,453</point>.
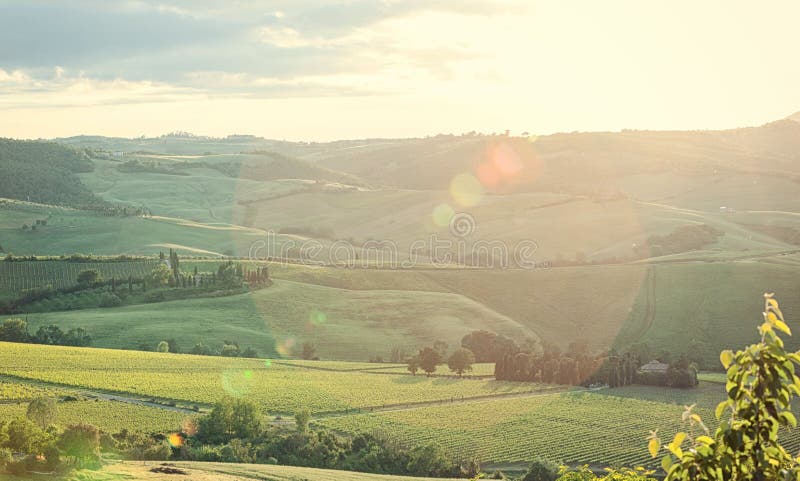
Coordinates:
<point>761,385</point>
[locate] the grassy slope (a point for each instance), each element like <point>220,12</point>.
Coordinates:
<point>356,324</point>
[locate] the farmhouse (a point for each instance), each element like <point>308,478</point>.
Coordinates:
<point>654,367</point>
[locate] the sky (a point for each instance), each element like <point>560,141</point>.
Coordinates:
<point>334,69</point>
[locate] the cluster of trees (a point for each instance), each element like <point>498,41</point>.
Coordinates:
<point>683,239</point>
<point>576,366</point>
<point>227,349</point>
<point>91,290</point>
<point>429,358</point>
<point>16,330</point>
<point>234,431</point>
<point>43,446</point>
<point>45,172</point>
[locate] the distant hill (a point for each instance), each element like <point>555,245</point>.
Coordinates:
<point>44,172</point>
<point>269,165</point>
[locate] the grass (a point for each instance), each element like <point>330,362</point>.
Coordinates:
<point>343,324</point>
<point>204,380</point>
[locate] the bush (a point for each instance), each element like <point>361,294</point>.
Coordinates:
<point>108,299</point>
<point>542,470</point>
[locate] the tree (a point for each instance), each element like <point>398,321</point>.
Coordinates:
<point>230,418</point>
<point>173,345</point>
<point>159,276</point>
<point>542,470</point>
<point>301,420</point>
<point>25,436</point>
<point>42,411</point>
<point>14,330</point>
<point>482,345</point>
<point>163,346</point>
<point>761,384</point>
<point>52,335</point>
<point>413,365</point>
<point>429,460</point>
<point>81,442</point>
<point>89,277</point>
<point>308,350</point>
<point>460,361</point>
<point>429,358</point>
<point>77,337</point>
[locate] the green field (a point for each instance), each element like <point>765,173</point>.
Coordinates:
<point>606,427</point>
<point>205,380</point>
<point>343,324</point>
<point>110,416</point>
<point>504,423</point>
<point>19,275</point>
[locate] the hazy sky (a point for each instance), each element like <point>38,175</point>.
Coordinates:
<point>317,70</point>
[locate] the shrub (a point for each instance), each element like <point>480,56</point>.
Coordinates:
<point>541,470</point>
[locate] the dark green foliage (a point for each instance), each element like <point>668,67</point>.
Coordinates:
<point>88,277</point>
<point>542,470</point>
<point>42,411</point>
<point>14,330</point>
<point>428,359</point>
<point>82,443</point>
<point>460,361</point>
<point>44,172</point>
<point>230,419</point>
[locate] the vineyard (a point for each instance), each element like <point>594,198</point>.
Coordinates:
<point>109,416</point>
<point>203,379</point>
<point>570,427</point>
<point>20,275</point>
<point>17,391</point>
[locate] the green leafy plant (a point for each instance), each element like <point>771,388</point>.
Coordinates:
<point>761,384</point>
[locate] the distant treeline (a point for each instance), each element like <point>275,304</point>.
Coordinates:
<point>45,172</point>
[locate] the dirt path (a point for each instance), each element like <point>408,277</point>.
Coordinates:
<point>449,402</point>
<point>96,394</point>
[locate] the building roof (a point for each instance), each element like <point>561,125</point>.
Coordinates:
<point>654,366</point>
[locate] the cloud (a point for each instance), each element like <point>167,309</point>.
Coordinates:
<point>244,48</point>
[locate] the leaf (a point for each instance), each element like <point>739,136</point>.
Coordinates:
<point>705,440</point>
<point>720,409</point>
<point>726,358</point>
<point>666,463</point>
<point>652,446</point>
<point>781,326</point>
<point>675,445</point>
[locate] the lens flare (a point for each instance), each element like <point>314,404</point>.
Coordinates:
<point>317,317</point>
<point>506,160</point>
<point>466,190</point>
<point>488,175</point>
<point>442,214</point>
<point>267,362</point>
<point>175,440</point>
<point>237,383</point>
<point>285,348</point>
